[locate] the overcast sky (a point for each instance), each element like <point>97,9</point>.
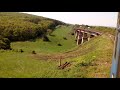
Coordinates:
<point>88,18</point>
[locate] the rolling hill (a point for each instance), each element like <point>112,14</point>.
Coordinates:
<point>89,60</point>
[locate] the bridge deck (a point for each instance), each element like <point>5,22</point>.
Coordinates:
<point>90,31</point>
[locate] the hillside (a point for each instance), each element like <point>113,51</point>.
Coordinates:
<point>91,59</point>
<point>20,26</point>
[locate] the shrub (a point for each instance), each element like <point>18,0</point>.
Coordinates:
<point>59,44</point>
<point>4,43</point>
<point>11,49</point>
<point>45,38</point>
<point>72,33</point>
<point>21,50</point>
<point>64,38</point>
<point>49,31</point>
<point>33,52</point>
<point>85,64</point>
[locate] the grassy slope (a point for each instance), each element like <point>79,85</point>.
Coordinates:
<point>49,47</point>
<point>95,62</point>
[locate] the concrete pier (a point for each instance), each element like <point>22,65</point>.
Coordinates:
<point>84,35</point>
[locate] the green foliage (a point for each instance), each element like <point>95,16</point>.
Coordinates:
<point>45,38</point>
<point>64,38</point>
<point>59,44</point>
<point>33,52</point>
<point>72,33</point>
<point>4,43</point>
<point>89,64</point>
<point>89,61</point>
<point>56,37</point>
<point>21,27</point>
<point>49,31</point>
<point>108,30</point>
<point>21,50</point>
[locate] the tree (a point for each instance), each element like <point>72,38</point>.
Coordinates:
<point>21,27</point>
<point>4,43</point>
<point>45,38</point>
<point>49,31</point>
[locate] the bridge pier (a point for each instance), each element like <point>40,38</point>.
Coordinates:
<point>84,35</point>
<point>79,41</point>
<point>80,38</point>
<point>76,35</point>
<point>88,38</point>
<point>88,35</point>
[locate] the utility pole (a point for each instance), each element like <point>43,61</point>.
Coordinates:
<point>115,69</point>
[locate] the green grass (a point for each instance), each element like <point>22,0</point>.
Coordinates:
<point>105,29</point>
<point>96,62</point>
<point>14,64</point>
<point>93,60</point>
<point>49,47</point>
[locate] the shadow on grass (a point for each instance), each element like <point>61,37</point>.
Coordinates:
<point>52,35</point>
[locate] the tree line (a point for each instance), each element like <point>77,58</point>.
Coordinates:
<point>20,27</point>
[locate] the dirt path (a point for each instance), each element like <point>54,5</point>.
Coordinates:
<point>56,56</point>
<point>69,54</point>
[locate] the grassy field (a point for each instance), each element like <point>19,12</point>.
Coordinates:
<point>90,60</point>
<point>49,47</point>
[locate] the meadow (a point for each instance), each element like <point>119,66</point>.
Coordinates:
<point>90,60</point>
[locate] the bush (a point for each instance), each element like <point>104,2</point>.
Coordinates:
<point>22,27</point>
<point>85,64</point>
<point>21,50</point>
<point>72,33</point>
<point>11,49</point>
<point>4,43</point>
<point>33,52</point>
<point>59,44</point>
<point>49,31</point>
<point>45,38</point>
<point>64,38</point>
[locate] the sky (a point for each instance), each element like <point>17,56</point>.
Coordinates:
<point>87,18</point>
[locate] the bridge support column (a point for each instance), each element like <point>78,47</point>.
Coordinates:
<point>80,38</point>
<point>76,35</point>
<point>85,37</point>
<point>79,41</point>
<point>88,38</point>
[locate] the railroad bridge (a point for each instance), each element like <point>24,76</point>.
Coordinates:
<point>83,35</point>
